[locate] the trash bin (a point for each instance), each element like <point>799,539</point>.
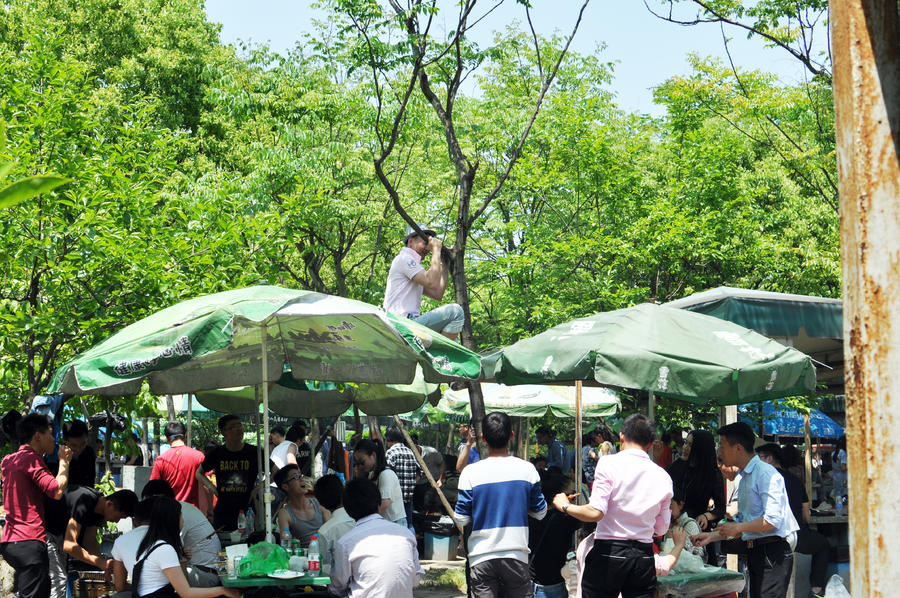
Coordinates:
<point>441,540</point>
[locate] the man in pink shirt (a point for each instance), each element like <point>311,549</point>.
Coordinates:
<point>26,480</point>
<point>630,502</point>
<point>180,467</point>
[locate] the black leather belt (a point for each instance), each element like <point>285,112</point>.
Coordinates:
<point>764,540</point>
<point>207,569</point>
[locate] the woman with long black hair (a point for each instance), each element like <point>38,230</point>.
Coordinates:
<point>157,572</point>
<point>698,477</point>
<point>371,464</point>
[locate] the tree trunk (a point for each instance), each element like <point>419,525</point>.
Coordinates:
<point>170,407</point>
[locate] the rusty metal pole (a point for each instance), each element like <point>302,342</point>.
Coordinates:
<point>866,44</point>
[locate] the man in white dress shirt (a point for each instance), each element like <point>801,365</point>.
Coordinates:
<point>408,280</point>
<point>377,558</point>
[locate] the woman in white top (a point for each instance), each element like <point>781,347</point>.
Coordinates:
<point>157,571</point>
<point>370,463</point>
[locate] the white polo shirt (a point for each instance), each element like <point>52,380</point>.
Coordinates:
<point>403,296</point>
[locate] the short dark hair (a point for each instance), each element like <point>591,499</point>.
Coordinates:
<point>739,433</point>
<point>552,483</point>
<point>223,421</point>
<point>295,432</point>
<point>124,501</point>
<point>770,449</point>
<point>142,510</point>
<point>328,491</point>
<point>157,488</point>
<point>30,425</point>
<point>277,430</point>
<point>393,434</point>
<point>544,431</point>
<point>361,498</point>
<point>75,429</point>
<point>175,431</point>
<point>678,493</point>
<point>282,474</point>
<point>496,429</point>
<point>638,429</point>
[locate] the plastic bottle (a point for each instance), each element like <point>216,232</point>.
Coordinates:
<point>313,555</point>
<point>251,520</point>
<point>286,539</point>
<point>242,524</point>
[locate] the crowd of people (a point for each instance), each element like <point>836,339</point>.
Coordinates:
<point>519,516</point>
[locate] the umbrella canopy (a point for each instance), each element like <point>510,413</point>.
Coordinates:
<point>666,351</point>
<point>534,400</point>
<point>813,325</point>
<point>782,421</point>
<point>295,398</point>
<point>214,342</point>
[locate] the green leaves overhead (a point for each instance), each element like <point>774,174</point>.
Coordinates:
<point>195,167</point>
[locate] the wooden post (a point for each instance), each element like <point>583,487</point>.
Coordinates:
<point>807,459</point>
<point>155,437</point>
<point>190,416</point>
<point>428,476</point>
<point>145,447</point>
<point>170,407</point>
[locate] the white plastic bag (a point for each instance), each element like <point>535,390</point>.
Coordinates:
<point>835,588</point>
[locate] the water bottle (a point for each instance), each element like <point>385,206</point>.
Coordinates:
<point>242,524</point>
<point>251,520</point>
<point>314,559</point>
<point>286,539</point>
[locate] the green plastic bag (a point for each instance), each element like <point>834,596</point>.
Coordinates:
<point>263,558</point>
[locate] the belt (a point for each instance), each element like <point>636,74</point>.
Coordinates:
<point>764,540</point>
<point>206,569</point>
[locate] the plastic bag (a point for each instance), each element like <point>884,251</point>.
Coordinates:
<point>263,558</point>
<point>835,588</point>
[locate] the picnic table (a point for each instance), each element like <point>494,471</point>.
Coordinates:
<point>711,581</point>
<point>261,582</point>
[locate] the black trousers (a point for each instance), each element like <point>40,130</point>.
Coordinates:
<point>812,542</point>
<point>614,566</point>
<point>29,560</point>
<point>770,568</point>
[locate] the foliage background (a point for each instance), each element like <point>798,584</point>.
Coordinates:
<point>198,167</point>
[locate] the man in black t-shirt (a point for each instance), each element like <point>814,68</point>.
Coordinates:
<point>236,467</point>
<point>76,518</point>
<point>809,541</point>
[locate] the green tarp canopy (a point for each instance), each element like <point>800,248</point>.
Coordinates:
<point>812,325</point>
<point>533,400</point>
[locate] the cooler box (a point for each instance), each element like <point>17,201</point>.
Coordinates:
<point>440,548</point>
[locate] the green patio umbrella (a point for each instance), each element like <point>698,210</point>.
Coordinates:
<point>662,350</point>
<point>248,336</point>
<point>215,341</point>
<point>534,400</point>
<point>295,398</point>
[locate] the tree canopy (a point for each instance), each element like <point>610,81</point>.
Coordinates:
<point>196,167</point>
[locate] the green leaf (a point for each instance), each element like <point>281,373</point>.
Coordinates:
<point>29,187</point>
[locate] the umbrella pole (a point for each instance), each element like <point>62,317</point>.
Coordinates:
<point>578,439</point>
<point>415,452</point>
<point>267,496</point>
<point>259,464</point>
<point>189,417</point>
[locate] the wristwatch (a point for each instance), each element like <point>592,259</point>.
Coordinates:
<point>566,509</point>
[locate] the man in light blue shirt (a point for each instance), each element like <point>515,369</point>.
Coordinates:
<point>764,519</point>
